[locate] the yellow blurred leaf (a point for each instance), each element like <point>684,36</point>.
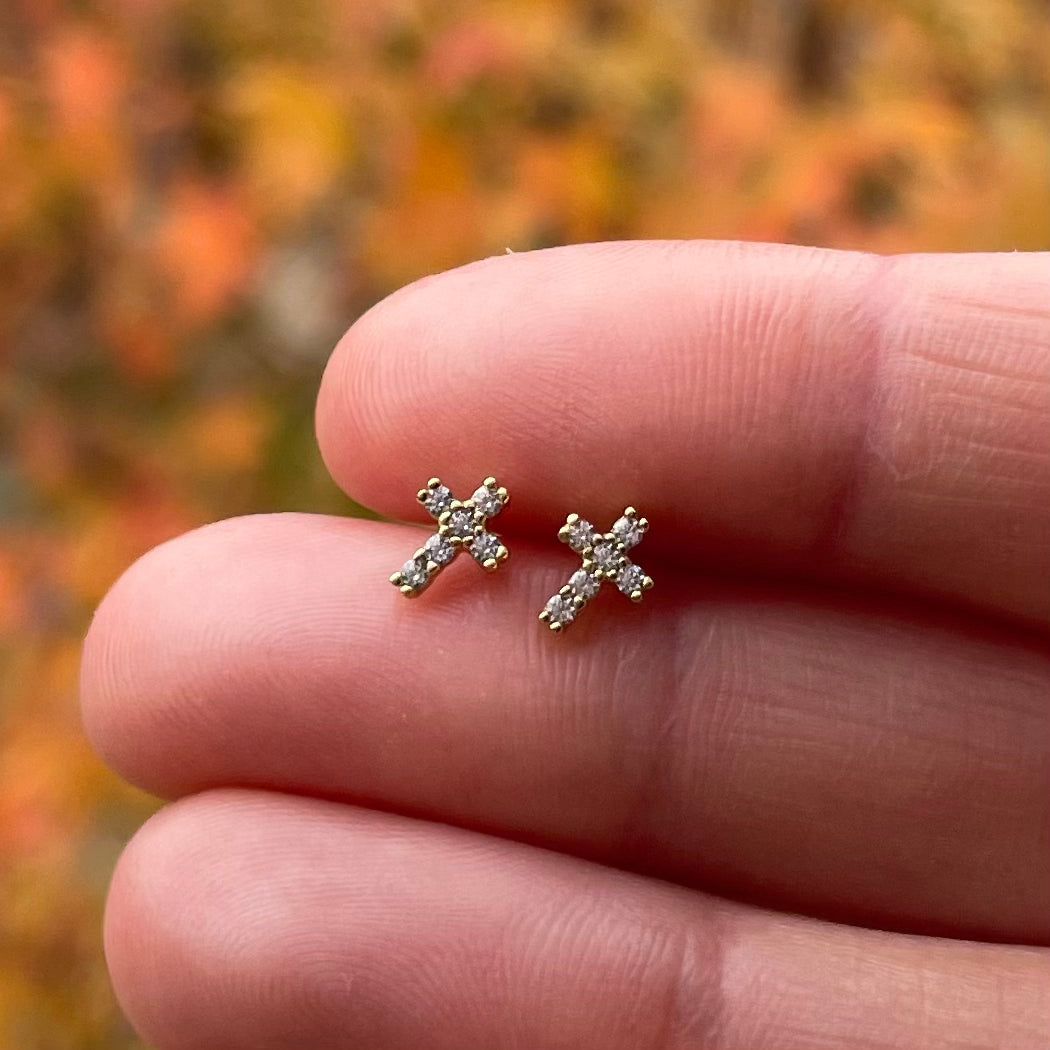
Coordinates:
<point>298,137</point>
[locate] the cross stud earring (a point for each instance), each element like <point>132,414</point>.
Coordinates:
<point>604,558</point>
<point>461,526</point>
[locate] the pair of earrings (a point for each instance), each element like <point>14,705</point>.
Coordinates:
<point>464,526</point>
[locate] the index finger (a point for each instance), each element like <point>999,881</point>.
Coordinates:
<point>830,413</point>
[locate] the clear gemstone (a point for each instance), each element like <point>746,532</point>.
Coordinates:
<point>414,573</point>
<point>606,556</point>
<point>584,584</point>
<point>440,549</point>
<point>561,609</point>
<point>484,547</point>
<point>486,500</point>
<point>627,531</point>
<point>630,579</point>
<point>461,523</point>
<point>437,501</point>
<point>581,534</point>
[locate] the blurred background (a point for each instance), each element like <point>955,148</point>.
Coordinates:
<point>197,198</point>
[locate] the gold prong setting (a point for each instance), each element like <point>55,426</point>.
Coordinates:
<point>462,525</point>
<point>604,558</point>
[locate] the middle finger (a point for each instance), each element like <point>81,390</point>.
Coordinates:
<point>822,756</point>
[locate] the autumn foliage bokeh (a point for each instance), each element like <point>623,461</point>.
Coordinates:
<point>196,198</point>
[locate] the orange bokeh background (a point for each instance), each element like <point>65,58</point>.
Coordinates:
<point>196,198</point>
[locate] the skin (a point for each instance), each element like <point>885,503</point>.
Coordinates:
<point>798,798</point>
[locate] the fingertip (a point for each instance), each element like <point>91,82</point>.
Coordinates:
<point>104,663</point>
<point>151,895</point>
<point>129,697</point>
<point>193,928</point>
<point>154,639</point>
<point>396,391</point>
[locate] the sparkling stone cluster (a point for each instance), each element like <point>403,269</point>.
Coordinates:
<point>461,526</point>
<point>604,558</point>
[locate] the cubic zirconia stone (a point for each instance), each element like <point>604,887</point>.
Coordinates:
<point>561,609</point>
<point>461,523</point>
<point>581,534</point>
<point>606,556</point>
<point>484,547</point>
<point>440,549</point>
<point>627,531</point>
<point>584,584</point>
<point>414,573</point>
<point>629,579</point>
<point>437,501</point>
<point>487,502</point>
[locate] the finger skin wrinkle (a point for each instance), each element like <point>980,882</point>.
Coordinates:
<point>864,319</point>
<point>1025,382</point>
<point>912,1007</point>
<point>959,421</point>
<point>691,682</point>
<point>693,1013</point>
<point>984,385</point>
<point>670,969</point>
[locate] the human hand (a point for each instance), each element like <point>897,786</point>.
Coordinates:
<point>834,703</point>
